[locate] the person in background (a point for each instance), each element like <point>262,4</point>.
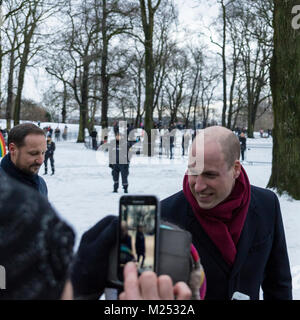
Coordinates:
<point>185,141</point>
<point>140,245</point>
<point>243,140</point>
<point>57,134</point>
<point>65,133</point>
<point>119,161</point>
<point>49,155</point>
<point>94,135</point>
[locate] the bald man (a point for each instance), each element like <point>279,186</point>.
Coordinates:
<point>236,227</point>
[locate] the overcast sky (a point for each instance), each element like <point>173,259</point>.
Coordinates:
<point>193,14</point>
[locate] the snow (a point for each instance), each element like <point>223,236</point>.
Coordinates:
<point>81,189</point>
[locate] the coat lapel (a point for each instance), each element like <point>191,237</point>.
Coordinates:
<point>246,237</point>
<point>203,241</point>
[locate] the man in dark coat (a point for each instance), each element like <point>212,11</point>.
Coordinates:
<point>243,141</point>
<point>27,147</point>
<point>49,155</point>
<point>93,135</point>
<point>119,161</point>
<point>236,228</point>
<point>140,245</point>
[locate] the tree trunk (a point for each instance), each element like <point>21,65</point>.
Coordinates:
<point>64,107</point>
<point>224,67</point>
<point>21,77</point>
<point>148,25</point>
<point>285,84</point>
<point>83,109</point>
<point>23,64</point>
<point>104,75</point>
<point>10,82</point>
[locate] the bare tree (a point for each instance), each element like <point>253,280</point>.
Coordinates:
<point>32,15</point>
<point>285,83</point>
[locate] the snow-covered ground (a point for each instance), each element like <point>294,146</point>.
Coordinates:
<point>81,189</point>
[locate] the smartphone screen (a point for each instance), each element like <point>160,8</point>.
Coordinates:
<point>138,225</point>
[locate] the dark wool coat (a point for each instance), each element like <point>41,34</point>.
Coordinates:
<point>34,181</point>
<point>261,260</point>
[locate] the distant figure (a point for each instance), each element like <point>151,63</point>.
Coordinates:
<point>261,132</point>
<point>50,131</point>
<point>166,142</point>
<point>140,245</point>
<point>119,162</point>
<point>185,142</point>
<point>243,139</point>
<point>172,139</point>
<point>65,133</point>
<point>269,132</point>
<point>94,134</point>
<point>116,128</point>
<point>57,134</point>
<point>49,155</point>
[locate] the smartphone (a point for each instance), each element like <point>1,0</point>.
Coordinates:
<point>139,219</point>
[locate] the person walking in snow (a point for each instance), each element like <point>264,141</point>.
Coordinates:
<point>243,140</point>
<point>119,161</point>
<point>49,155</point>
<point>140,245</point>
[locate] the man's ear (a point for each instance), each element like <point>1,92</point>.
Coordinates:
<point>12,148</point>
<point>237,169</point>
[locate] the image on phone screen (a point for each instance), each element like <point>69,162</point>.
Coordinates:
<point>137,237</point>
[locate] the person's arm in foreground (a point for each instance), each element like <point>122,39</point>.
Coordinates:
<point>150,287</point>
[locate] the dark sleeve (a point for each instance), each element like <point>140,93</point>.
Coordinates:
<point>277,283</point>
<point>53,146</point>
<point>43,187</point>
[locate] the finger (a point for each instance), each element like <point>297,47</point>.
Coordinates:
<point>122,296</point>
<point>148,285</point>
<point>165,288</point>
<point>182,291</point>
<point>131,282</point>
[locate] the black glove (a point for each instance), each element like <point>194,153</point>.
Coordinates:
<point>90,266</point>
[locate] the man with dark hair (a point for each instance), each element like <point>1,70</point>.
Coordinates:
<point>27,146</point>
<point>236,228</point>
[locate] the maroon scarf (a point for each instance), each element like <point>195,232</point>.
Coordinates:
<point>224,223</point>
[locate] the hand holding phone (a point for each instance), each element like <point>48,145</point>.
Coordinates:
<point>138,233</point>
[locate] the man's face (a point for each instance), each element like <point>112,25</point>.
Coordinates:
<point>215,181</point>
<point>30,156</point>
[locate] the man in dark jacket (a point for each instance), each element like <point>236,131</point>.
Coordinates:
<point>140,245</point>
<point>236,228</point>
<point>243,144</point>
<point>119,161</point>
<point>49,155</point>
<point>27,146</point>
<point>94,135</point>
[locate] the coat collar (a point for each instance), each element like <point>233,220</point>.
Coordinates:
<point>247,236</point>
<point>244,244</point>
